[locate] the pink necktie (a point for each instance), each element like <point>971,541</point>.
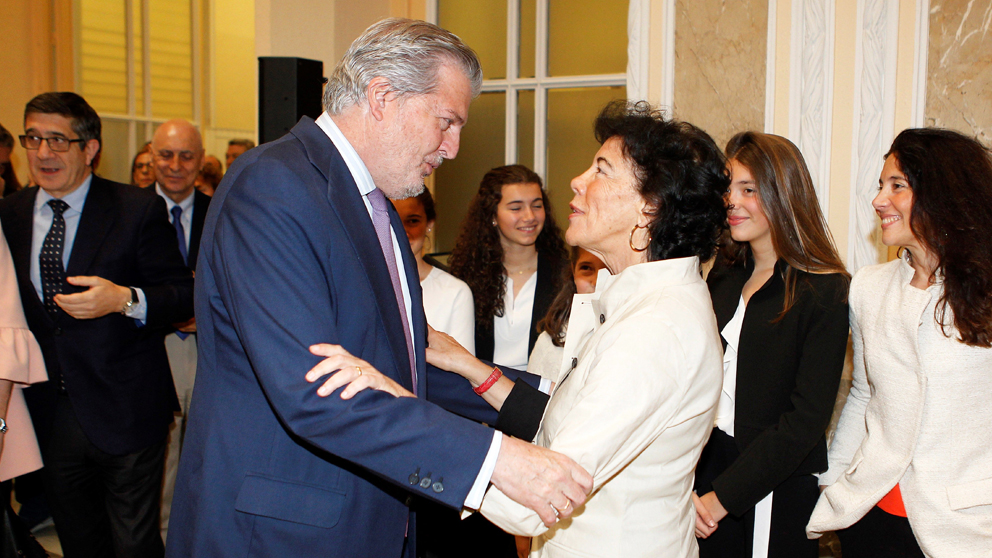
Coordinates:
<point>380,219</point>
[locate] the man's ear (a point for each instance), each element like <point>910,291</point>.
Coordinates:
<point>91,149</point>
<point>377,94</point>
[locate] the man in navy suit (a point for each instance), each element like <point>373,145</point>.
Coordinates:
<point>100,276</point>
<point>300,247</point>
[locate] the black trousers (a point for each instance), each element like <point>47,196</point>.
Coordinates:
<point>792,504</point>
<point>879,535</point>
<point>103,505</point>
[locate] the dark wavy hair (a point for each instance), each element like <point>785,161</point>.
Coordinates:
<point>477,257</point>
<point>951,178</point>
<point>786,195</point>
<point>680,172</point>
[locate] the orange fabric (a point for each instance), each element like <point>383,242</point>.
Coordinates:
<point>892,502</point>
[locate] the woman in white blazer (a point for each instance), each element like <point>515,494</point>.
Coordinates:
<point>910,467</point>
<point>639,378</point>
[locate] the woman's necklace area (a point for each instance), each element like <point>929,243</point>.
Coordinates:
<point>520,272</point>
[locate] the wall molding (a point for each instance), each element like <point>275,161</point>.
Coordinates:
<point>667,99</point>
<point>771,50</point>
<point>811,89</point>
<point>638,49</point>
<point>874,117</point>
<point>920,60</point>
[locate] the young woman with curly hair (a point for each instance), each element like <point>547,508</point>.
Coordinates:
<point>909,464</point>
<point>779,291</point>
<point>511,254</point>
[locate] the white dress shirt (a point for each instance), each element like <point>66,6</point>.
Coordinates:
<point>186,218</point>
<point>511,331</point>
<point>449,307</point>
<point>363,179</point>
<point>43,217</point>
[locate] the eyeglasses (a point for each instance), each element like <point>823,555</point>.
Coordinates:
<point>55,143</point>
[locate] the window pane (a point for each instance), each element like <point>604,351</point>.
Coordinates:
<point>571,145</point>
<point>587,37</point>
<point>528,24</point>
<point>103,55</point>
<point>171,59</point>
<point>115,153</point>
<point>481,24</point>
<point>482,148</point>
<point>525,128</point>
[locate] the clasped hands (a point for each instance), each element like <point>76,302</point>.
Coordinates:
<point>547,482</point>
<point>709,512</point>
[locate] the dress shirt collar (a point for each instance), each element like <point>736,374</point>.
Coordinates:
<point>76,199</point>
<point>186,204</point>
<point>361,174</point>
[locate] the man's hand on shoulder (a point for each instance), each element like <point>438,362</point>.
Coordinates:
<point>545,481</point>
<point>101,298</point>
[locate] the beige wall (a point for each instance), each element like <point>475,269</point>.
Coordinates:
<point>232,75</point>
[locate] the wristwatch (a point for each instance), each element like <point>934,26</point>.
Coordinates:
<point>3,426</point>
<point>129,305</point>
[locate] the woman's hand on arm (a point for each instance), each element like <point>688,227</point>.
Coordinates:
<point>445,353</point>
<point>350,371</point>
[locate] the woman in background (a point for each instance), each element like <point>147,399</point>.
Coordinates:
<point>447,300</point>
<point>779,290</point>
<point>142,169</point>
<point>911,461</point>
<point>511,254</point>
<point>545,359</point>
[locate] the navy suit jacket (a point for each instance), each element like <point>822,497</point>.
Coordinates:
<point>117,373</point>
<point>289,258</point>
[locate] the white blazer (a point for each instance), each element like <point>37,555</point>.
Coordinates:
<point>634,410</point>
<point>919,414</point>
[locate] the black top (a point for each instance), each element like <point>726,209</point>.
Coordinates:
<point>788,372</point>
<point>544,295</point>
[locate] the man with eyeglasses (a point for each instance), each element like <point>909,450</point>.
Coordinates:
<point>101,277</point>
<point>177,153</point>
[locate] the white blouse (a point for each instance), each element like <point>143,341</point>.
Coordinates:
<point>511,331</point>
<point>449,307</point>
<point>728,397</point>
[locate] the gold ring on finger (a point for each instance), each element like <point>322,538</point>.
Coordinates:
<point>359,368</point>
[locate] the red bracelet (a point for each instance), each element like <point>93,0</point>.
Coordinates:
<point>490,381</point>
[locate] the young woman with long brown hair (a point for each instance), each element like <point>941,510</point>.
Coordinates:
<point>779,291</point>
<point>511,254</point>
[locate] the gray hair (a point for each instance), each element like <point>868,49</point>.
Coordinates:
<point>408,53</point>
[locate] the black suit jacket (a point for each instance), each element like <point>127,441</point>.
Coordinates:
<point>788,372</point>
<point>544,295</point>
<point>201,203</point>
<point>116,372</point>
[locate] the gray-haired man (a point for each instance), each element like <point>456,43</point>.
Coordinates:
<point>301,247</point>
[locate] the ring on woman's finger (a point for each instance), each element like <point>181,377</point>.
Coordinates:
<point>359,368</point>
<point>557,515</point>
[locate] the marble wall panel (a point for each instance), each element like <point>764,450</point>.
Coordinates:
<point>720,54</point>
<point>959,73</point>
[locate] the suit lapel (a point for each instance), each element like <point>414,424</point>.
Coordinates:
<point>201,202</point>
<point>19,227</point>
<point>349,207</point>
<point>96,221</point>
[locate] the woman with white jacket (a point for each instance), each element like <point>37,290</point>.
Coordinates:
<point>910,467</point>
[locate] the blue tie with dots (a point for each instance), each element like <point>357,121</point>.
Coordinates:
<point>50,259</point>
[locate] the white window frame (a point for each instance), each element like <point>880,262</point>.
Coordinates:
<point>143,115</point>
<point>542,83</point>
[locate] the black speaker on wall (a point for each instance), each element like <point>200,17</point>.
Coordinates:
<point>288,89</point>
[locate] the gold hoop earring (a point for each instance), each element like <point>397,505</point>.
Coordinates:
<point>632,231</point>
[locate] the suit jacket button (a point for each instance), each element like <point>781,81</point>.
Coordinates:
<point>438,487</point>
<point>602,318</point>
<point>425,482</point>
<point>415,477</point>
<point>57,332</point>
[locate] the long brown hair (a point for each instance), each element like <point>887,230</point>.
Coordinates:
<point>477,257</point>
<point>951,178</point>
<point>785,192</point>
